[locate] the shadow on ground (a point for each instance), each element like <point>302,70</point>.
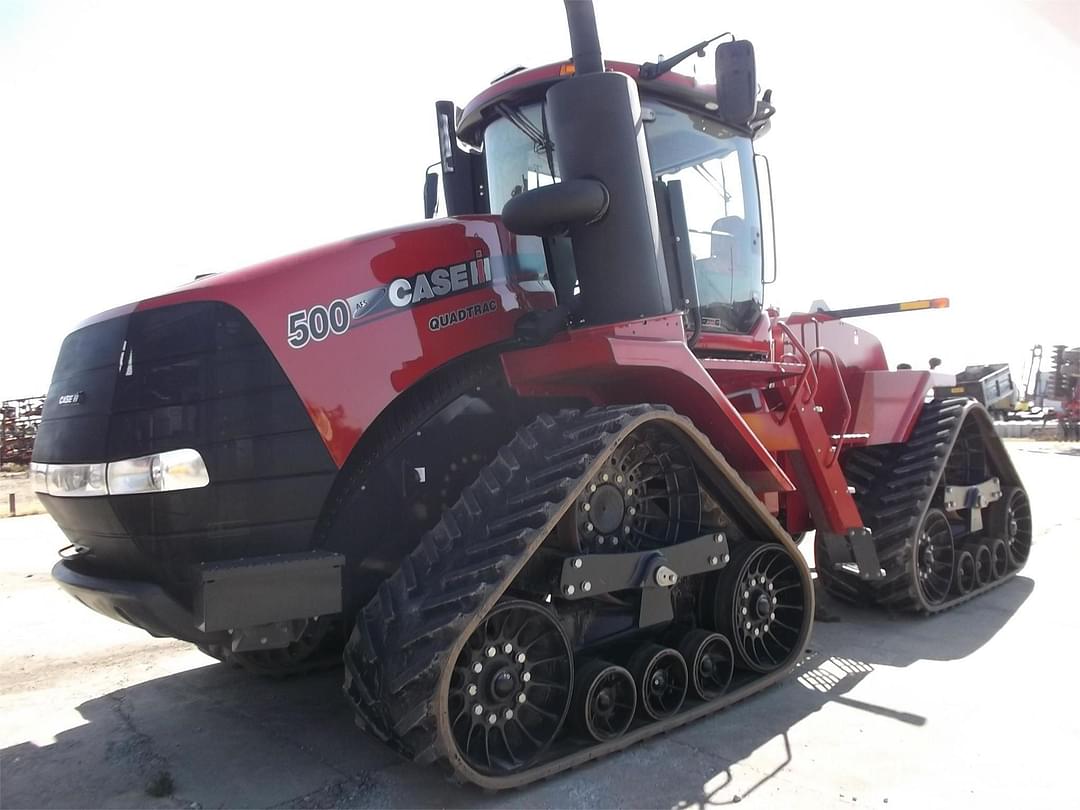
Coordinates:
<point>226,739</point>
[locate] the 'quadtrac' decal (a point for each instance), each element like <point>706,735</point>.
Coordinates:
<point>446,319</point>
<point>336,318</point>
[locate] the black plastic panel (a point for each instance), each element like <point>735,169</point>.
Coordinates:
<point>269,589</point>
<point>193,375</point>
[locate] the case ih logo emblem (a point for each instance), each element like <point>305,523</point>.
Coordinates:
<point>440,282</point>
<point>70,399</point>
<point>337,317</point>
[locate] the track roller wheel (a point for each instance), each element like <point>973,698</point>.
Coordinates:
<point>510,689</point>
<point>964,574</point>
<point>999,558</point>
<point>1010,518</point>
<point>759,604</point>
<point>710,660</point>
<point>983,563</point>
<point>661,677</point>
<point>605,698</point>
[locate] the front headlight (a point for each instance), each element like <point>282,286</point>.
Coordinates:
<point>160,472</point>
<point>72,480</point>
<point>39,477</point>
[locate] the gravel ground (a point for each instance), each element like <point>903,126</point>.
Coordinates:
<point>971,708</point>
<point>18,484</point>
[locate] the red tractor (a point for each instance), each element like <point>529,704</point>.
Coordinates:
<point>523,466</point>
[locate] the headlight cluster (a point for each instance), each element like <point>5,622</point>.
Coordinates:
<point>160,472</point>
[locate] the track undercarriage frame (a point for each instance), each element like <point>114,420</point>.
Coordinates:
<point>408,667</point>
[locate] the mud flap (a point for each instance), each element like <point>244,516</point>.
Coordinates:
<point>267,590</point>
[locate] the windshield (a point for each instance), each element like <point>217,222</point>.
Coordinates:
<point>518,153</point>
<point>716,172</point>
<point>719,187</point>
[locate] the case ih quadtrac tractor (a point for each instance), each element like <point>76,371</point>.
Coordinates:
<point>532,469</point>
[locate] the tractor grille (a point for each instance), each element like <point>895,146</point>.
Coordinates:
<point>191,375</point>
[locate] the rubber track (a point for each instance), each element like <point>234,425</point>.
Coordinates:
<point>407,638</point>
<point>894,488</point>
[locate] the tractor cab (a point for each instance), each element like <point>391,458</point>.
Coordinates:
<point>703,171</point>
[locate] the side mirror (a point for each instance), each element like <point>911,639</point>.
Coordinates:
<point>934,362</point>
<point>431,194</point>
<point>736,82</point>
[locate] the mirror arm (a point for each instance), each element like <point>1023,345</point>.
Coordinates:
<point>764,111</point>
<point>654,70</point>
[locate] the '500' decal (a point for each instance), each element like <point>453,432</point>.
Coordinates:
<point>319,322</point>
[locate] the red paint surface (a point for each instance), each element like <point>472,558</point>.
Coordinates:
<point>532,83</point>
<point>645,361</point>
<point>758,407</point>
<point>345,381</point>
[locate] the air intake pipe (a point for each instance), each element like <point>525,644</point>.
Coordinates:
<point>595,124</point>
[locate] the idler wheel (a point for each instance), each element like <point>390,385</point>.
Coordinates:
<point>510,688</point>
<point>759,604</point>
<point>605,698</point>
<point>999,558</point>
<point>1010,519</point>
<point>661,677</point>
<point>711,662</point>
<point>934,557</point>
<point>964,578</point>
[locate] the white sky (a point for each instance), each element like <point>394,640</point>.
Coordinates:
<point>921,149</point>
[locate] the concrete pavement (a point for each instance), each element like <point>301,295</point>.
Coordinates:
<point>971,708</point>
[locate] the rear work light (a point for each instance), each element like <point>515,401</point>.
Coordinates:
<point>160,472</point>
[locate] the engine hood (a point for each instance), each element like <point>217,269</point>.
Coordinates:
<point>355,323</point>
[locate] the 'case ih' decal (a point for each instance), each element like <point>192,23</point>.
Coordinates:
<point>341,314</point>
<point>440,282</point>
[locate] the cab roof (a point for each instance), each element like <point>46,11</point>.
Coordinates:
<point>522,86</point>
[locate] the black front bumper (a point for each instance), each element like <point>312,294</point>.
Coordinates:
<point>142,604</point>
<point>232,596</point>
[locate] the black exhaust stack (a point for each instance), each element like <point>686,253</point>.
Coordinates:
<point>595,123</point>
<point>584,40</point>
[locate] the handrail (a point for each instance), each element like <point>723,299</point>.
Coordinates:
<point>808,371</point>
<point>845,423</point>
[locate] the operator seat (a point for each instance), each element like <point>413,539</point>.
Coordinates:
<point>726,279</point>
<point>726,245</point>
<point>716,273</point>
